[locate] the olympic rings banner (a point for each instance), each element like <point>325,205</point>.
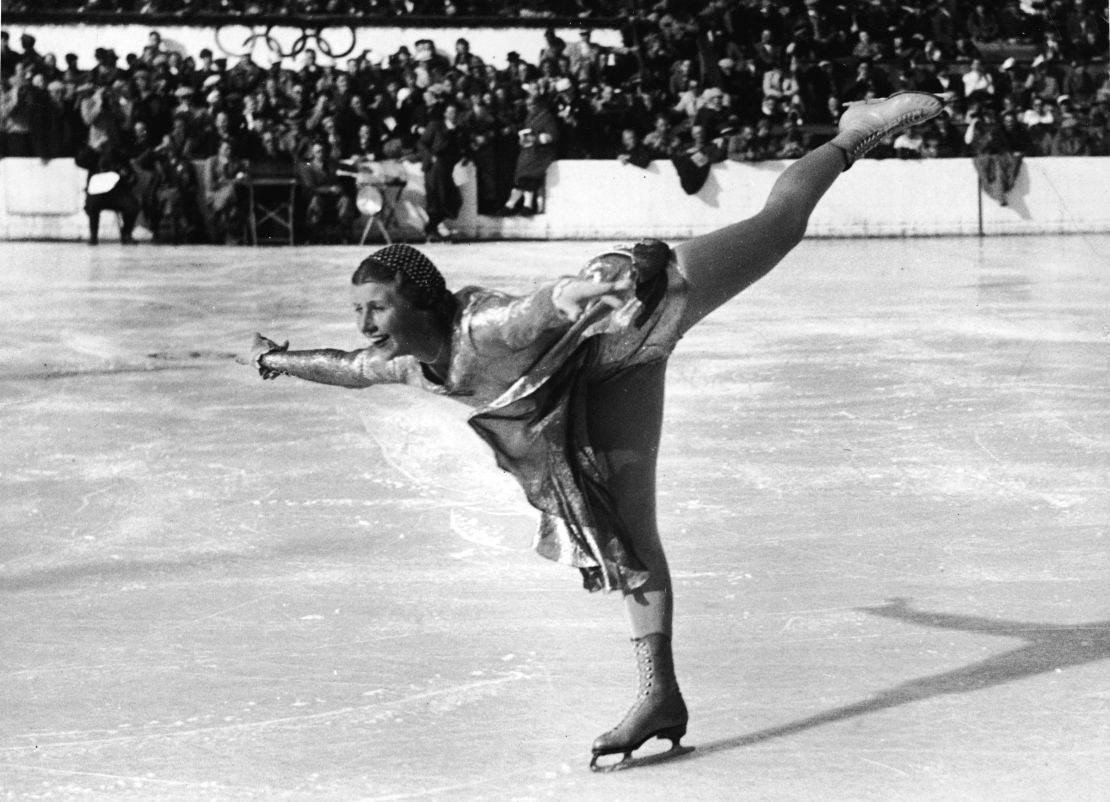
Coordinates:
<point>265,44</point>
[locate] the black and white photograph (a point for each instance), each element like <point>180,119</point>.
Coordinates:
<point>593,400</point>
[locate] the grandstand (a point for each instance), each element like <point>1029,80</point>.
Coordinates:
<point>761,80</point>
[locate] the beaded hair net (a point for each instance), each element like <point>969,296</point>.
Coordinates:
<point>415,266</point>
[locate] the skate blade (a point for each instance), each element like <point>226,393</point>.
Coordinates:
<point>640,762</point>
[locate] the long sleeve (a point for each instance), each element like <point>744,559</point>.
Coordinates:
<point>355,369</point>
<point>502,322</point>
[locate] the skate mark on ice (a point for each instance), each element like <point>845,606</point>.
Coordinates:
<point>441,789</point>
<point>480,686</point>
<point>137,779</point>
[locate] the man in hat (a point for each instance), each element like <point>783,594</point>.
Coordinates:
<point>1069,140</point>
<point>30,55</point>
<point>9,59</point>
<point>585,58</point>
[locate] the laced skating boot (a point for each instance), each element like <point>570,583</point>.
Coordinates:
<point>658,712</point>
<point>865,122</point>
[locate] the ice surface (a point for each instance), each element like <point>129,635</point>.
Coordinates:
<point>884,487</point>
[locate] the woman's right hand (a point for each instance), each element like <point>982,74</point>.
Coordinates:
<point>259,348</point>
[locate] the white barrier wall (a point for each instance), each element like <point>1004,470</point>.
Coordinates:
<point>607,200</point>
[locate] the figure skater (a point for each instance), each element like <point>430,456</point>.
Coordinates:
<point>567,383</point>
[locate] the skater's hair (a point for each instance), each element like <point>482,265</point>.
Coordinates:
<point>418,280</point>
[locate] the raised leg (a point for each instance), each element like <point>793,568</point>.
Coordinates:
<point>721,264</point>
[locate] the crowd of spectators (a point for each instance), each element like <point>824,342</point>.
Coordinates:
<point>697,83</point>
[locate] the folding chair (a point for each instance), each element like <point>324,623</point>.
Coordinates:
<point>271,204</point>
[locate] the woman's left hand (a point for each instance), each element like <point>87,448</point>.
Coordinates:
<point>572,296</point>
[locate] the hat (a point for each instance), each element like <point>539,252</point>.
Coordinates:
<point>415,266</point>
<point>513,56</point>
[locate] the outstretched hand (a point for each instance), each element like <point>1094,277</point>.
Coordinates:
<point>259,348</point>
<point>571,297</point>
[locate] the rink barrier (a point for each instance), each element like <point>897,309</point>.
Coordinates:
<point>608,200</point>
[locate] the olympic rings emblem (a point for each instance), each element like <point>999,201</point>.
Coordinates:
<point>227,35</point>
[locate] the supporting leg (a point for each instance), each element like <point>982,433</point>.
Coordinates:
<point>625,418</point>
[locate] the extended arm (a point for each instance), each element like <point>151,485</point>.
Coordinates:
<point>324,365</point>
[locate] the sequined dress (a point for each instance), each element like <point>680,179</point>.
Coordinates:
<point>525,368</point>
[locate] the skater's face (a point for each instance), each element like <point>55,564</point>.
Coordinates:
<point>393,325</point>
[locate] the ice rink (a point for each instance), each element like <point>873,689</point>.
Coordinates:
<point>884,488</point>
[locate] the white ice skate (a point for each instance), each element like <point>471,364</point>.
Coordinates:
<point>865,122</point>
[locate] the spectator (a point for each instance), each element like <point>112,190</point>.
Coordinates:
<point>632,150</point>
<point>1042,82</point>
<point>1038,119</point>
<point>108,188</point>
<point>982,24</point>
<point>585,59</point>
<point>483,128</point>
<point>792,144</point>
<point>930,145</point>
<point>697,158</point>
<point>15,115</point>
<point>1069,140</point>
<point>978,82</point>
<point>224,173</point>
<point>1014,135</point>
<point>179,217</point>
<point>465,61</point>
<point>179,143</point>
<point>1078,83</point>
<point>909,144</point>
<point>328,205</point>
<point>687,103</point>
<point>101,112</point>
<point>712,112</point>
<point>9,59</point>
<point>866,49</point>
<point>443,145</point>
<point>742,146</point>
<point>662,142</point>
<point>539,142</point>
